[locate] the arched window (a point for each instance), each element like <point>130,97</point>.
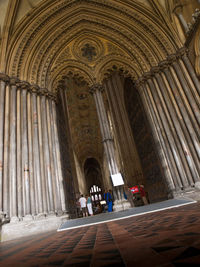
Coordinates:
<point>95,193</point>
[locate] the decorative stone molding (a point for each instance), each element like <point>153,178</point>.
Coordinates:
<point>96,87</point>
<point>34,88</point>
<point>45,56</point>
<point>23,85</point>
<point>14,81</point>
<point>4,77</point>
<point>163,65</point>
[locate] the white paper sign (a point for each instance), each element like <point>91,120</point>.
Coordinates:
<point>117,179</point>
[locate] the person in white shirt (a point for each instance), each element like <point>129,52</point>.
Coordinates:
<point>89,205</point>
<point>83,201</point>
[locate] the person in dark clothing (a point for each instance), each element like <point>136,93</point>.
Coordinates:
<point>109,200</point>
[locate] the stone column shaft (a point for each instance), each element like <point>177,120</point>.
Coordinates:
<point>36,155</point>
<point>6,195</point>
<point>184,118</point>
<point>186,94</point>
<point>19,157</point>
<point>12,153</point>
<point>105,131</point>
<point>169,135</point>
<point>183,133</point>
<point>163,137</point>
<point>51,158</point>
<point>25,152</point>
<point>30,155</point>
<point>191,72</point>
<point>182,147</point>
<point>46,156</point>
<point>164,152</point>
<point>114,89</point>
<point>58,159</point>
<point>41,150</point>
<point>2,106</point>
<point>58,206</point>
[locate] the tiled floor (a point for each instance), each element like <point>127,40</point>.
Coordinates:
<point>164,238</point>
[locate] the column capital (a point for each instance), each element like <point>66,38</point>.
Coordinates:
<point>23,85</point>
<point>155,70</point>
<point>14,81</point>
<point>34,88</point>
<point>172,58</point>
<point>96,87</point>
<point>52,96</point>
<point>4,77</point>
<point>182,52</point>
<point>147,76</point>
<point>163,65</point>
<point>140,82</point>
<point>43,92</point>
<point>178,9</point>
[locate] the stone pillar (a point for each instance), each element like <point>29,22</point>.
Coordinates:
<point>25,152</point>
<point>41,151</point>
<point>3,80</point>
<point>6,195</point>
<point>168,129</point>
<point>12,152</point>
<point>19,156</point>
<point>158,135</point>
<point>57,192</point>
<point>30,155</point>
<point>189,166</point>
<point>46,154</point>
<point>51,154</point>
<point>58,159</point>
<point>36,155</point>
<point>182,54</point>
<point>114,87</point>
<point>184,117</point>
<point>108,143</point>
<point>178,11</point>
<point>184,91</point>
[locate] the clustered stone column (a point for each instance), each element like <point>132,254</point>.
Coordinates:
<point>108,141</point>
<point>114,87</point>
<point>170,94</point>
<point>31,182</point>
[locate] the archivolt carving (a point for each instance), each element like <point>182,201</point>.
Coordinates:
<point>197,52</point>
<point>111,63</point>
<point>77,68</point>
<point>107,17</point>
<point>78,29</point>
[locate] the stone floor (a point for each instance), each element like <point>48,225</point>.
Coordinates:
<point>163,238</point>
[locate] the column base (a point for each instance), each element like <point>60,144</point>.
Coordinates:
<point>20,229</point>
<point>40,216</point>
<point>121,205</point>
<point>14,219</point>
<point>59,213</point>
<point>1,215</point>
<point>28,217</point>
<point>189,193</point>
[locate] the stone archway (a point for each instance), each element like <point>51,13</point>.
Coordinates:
<point>63,49</point>
<point>93,175</point>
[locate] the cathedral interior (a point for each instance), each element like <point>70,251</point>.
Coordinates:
<point>90,89</point>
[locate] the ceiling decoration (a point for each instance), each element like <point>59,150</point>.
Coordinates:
<point>53,25</point>
<point>88,49</point>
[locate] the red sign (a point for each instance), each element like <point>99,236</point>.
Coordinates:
<point>134,189</point>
